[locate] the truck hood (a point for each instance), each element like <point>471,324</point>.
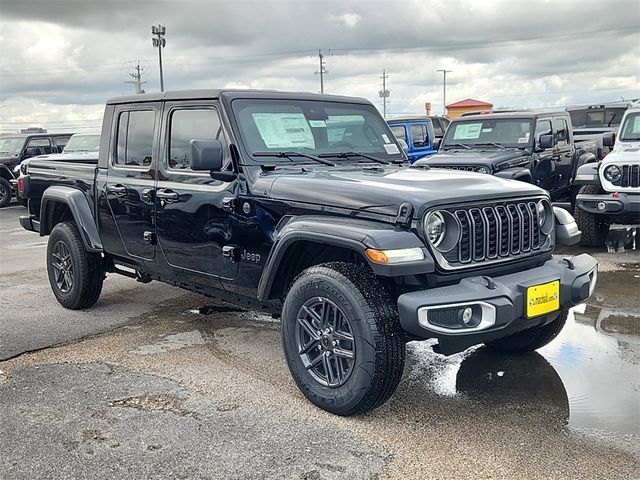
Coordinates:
<point>630,155</point>
<point>4,160</point>
<point>383,190</point>
<point>472,157</point>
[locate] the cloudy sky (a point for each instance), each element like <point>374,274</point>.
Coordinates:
<point>61,59</point>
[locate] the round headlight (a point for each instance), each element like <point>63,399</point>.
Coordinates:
<point>542,213</point>
<point>612,173</point>
<point>483,170</point>
<point>435,228</point>
<point>545,216</point>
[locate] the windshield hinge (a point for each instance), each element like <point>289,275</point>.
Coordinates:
<point>405,212</point>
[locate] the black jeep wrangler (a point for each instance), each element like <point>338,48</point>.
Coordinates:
<point>300,205</point>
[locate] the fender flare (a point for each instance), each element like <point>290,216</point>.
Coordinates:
<point>80,209</point>
<point>350,233</point>
<point>587,174</point>
<point>6,173</point>
<point>586,157</point>
<point>522,174</point>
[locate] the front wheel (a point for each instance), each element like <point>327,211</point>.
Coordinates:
<point>532,338</point>
<point>342,339</point>
<point>594,228</point>
<point>75,275</point>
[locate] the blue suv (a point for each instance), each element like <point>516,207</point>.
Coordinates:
<point>418,133</point>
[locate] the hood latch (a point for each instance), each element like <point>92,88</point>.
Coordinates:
<point>405,213</point>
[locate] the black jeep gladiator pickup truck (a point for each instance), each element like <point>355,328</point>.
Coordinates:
<point>533,147</point>
<point>299,205</point>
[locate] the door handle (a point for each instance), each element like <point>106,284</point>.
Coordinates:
<point>168,195</point>
<point>117,189</point>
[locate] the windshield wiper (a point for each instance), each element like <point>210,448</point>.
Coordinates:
<point>354,154</point>
<point>492,143</point>
<point>294,154</point>
<point>457,145</point>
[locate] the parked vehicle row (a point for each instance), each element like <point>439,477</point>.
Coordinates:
<point>611,188</point>
<point>420,133</point>
<point>302,205</point>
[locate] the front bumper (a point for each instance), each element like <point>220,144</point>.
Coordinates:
<point>610,203</point>
<point>501,299</point>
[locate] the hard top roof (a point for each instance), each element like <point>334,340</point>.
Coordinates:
<point>513,114</point>
<point>231,93</point>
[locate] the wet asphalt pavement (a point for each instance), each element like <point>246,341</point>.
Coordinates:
<point>154,382</point>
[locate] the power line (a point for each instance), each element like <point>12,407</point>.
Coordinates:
<point>384,93</point>
<point>137,78</point>
<point>323,71</point>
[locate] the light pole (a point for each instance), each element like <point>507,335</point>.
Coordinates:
<point>160,42</point>
<point>444,90</point>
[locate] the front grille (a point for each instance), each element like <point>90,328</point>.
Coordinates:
<point>495,232</point>
<point>466,168</point>
<point>630,176</point>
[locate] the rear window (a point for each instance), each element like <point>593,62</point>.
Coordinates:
<point>597,117</point>
<point>399,132</point>
<point>135,138</point>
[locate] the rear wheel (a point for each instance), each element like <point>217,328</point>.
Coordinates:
<point>532,338</point>
<point>5,192</point>
<point>595,228</point>
<point>75,275</point>
<point>342,339</point>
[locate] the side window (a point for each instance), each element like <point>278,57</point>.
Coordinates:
<point>543,128</point>
<point>419,134</point>
<point>190,124</point>
<point>61,142</point>
<point>437,128</point>
<point>399,132</point>
<point>135,138</point>
<point>562,133</point>
<point>42,144</point>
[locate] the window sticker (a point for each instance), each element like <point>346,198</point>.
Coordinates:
<point>391,148</point>
<point>467,131</point>
<point>335,134</point>
<point>284,130</point>
<point>636,124</point>
<point>317,123</point>
<point>524,139</point>
<point>385,138</point>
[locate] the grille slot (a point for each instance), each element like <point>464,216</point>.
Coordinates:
<point>495,232</point>
<point>630,176</point>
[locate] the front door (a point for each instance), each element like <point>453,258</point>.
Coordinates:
<point>131,178</point>
<point>565,151</point>
<point>543,169</point>
<point>194,221</point>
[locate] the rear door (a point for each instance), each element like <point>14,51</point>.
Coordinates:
<point>193,211</point>
<point>131,177</point>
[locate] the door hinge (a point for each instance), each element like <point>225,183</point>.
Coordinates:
<point>231,253</point>
<point>149,238</point>
<point>229,204</point>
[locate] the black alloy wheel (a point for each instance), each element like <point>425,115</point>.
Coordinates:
<point>62,266</point>
<point>5,193</point>
<point>325,342</point>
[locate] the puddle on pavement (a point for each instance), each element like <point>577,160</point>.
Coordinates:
<point>589,375</point>
<point>172,342</point>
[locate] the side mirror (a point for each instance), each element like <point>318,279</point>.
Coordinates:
<point>30,152</point>
<point>546,141</point>
<point>206,155</point>
<point>403,144</point>
<point>608,139</point>
<point>436,143</point>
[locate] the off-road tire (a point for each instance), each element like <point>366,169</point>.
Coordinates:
<point>595,228</point>
<point>532,338</point>
<point>5,192</point>
<point>378,339</point>
<point>88,273</point>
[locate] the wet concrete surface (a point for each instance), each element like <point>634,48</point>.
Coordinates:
<point>189,387</point>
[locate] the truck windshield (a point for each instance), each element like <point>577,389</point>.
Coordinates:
<point>630,130</point>
<point>82,143</point>
<point>490,132</point>
<point>11,146</point>
<point>315,128</point>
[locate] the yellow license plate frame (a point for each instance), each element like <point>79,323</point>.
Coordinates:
<point>543,299</point>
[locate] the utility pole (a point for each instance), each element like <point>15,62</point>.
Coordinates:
<point>322,70</point>
<point>444,90</point>
<point>137,78</point>
<point>384,93</point>
<point>159,41</point>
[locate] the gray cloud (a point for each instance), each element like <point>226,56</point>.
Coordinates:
<point>58,58</point>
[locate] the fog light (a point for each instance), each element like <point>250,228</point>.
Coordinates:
<point>467,315</point>
<point>601,206</point>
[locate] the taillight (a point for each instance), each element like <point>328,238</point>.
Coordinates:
<point>23,186</point>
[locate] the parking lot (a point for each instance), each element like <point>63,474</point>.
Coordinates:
<point>155,382</point>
